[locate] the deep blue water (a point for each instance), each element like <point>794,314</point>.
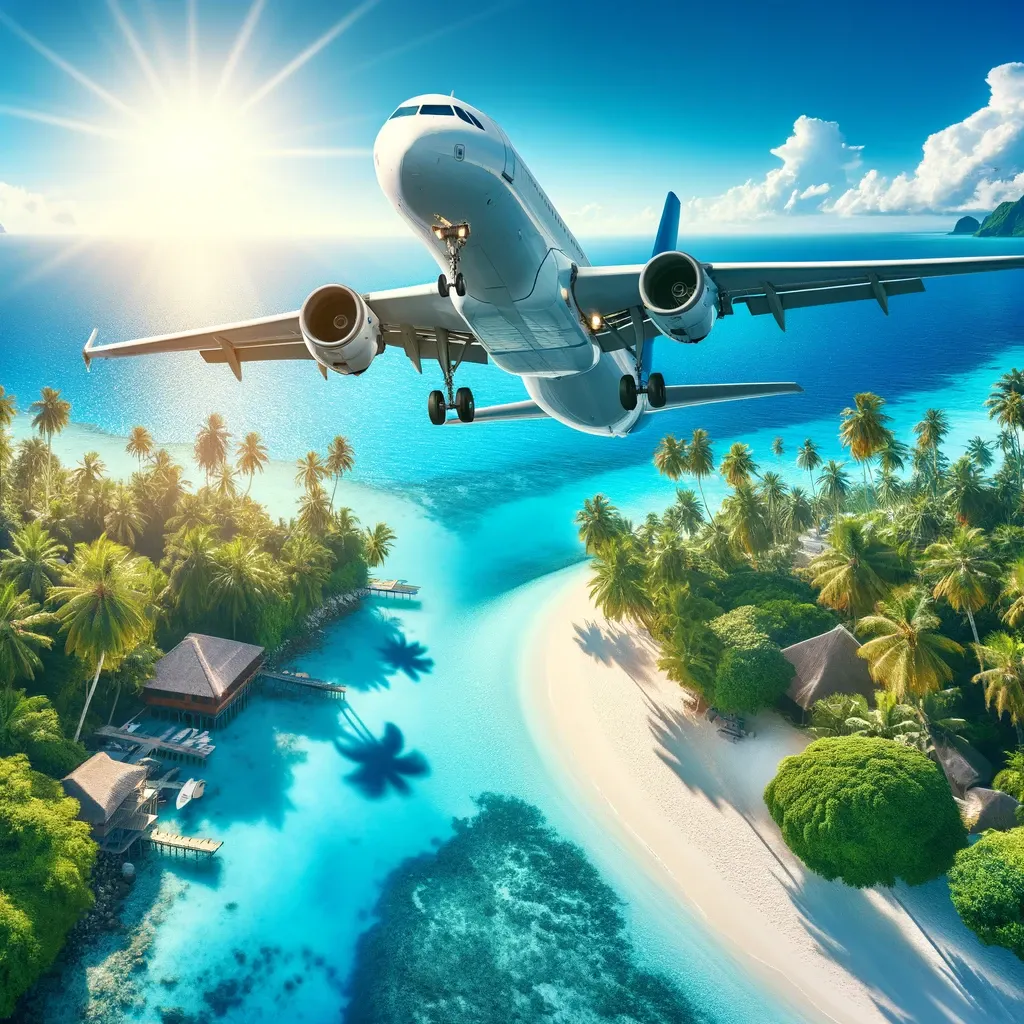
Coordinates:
<point>314,815</point>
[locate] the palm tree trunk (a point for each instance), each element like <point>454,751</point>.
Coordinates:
<point>249,488</point>
<point>88,696</point>
<point>974,628</point>
<point>700,487</point>
<point>810,474</point>
<point>337,477</point>
<point>49,466</point>
<point>117,697</point>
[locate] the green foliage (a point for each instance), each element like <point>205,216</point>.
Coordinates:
<point>1011,778</point>
<point>749,679</point>
<point>986,884</point>
<point>867,811</point>
<point>760,587</point>
<point>743,627</point>
<point>45,860</point>
<point>789,622</point>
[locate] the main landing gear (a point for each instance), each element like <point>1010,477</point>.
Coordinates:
<point>632,384</point>
<point>454,237</point>
<point>439,402</point>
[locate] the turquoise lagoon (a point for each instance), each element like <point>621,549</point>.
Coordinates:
<point>318,806</point>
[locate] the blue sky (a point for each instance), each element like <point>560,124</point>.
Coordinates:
<point>610,104</point>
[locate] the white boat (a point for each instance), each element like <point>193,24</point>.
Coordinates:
<point>192,790</point>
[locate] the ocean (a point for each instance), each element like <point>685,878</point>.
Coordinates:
<point>319,807</point>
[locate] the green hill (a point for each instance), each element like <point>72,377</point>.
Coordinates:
<point>1006,221</point>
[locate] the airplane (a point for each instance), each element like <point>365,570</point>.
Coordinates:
<point>516,289</point>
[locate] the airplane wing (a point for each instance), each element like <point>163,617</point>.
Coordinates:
<point>777,287</point>
<point>410,319</point>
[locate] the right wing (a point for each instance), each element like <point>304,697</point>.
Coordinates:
<point>417,320</point>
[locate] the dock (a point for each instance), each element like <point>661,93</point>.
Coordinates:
<point>148,745</point>
<point>171,842</point>
<point>303,683</point>
<point>391,588</point>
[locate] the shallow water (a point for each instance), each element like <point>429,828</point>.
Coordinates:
<point>318,805</point>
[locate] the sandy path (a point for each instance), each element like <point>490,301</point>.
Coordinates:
<point>631,749</point>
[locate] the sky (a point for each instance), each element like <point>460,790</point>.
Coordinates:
<point>258,116</point>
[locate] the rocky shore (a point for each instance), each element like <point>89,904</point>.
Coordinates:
<point>314,628</point>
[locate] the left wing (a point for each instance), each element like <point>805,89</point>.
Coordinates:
<point>776,287</point>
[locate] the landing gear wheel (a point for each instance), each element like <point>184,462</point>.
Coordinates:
<point>656,390</point>
<point>436,408</point>
<point>442,288</point>
<point>464,405</point>
<point>627,392</point>
<point>460,284</point>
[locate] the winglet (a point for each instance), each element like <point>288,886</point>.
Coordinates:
<point>87,349</point>
<point>667,238</point>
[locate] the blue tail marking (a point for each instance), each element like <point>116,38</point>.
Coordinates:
<point>667,238</point>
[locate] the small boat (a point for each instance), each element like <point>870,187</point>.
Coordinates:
<point>193,789</point>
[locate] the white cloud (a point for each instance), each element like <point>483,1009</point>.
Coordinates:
<point>974,164</point>
<point>24,212</point>
<point>814,159</point>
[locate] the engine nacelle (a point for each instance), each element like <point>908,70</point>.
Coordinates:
<point>680,298</point>
<point>339,330</point>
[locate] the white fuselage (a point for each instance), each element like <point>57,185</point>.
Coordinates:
<point>518,262</point>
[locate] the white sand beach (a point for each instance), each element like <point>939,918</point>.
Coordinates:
<point>686,807</point>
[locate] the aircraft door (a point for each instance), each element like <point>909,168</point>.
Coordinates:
<point>509,173</point>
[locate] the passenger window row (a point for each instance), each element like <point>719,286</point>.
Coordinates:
<point>439,109</point>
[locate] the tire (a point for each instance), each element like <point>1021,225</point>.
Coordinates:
<point>465,406</point>
<point>656,390</point>
<point>627,393</point>
<point>442,286</point>
<point>460,285</point>
<point>436,408</point>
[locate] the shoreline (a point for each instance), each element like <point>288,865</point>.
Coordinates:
<point>630,750</point>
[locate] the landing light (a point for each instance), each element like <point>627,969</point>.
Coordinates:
<point>596,321</point>
<point>462,231</point>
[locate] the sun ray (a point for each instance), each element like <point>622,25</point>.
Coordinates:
<point>241,41</point>
<point>192,36</point>
<point>69,69</point>
<point>70,124</point>
<point>137,49</point>
<point>74,248</point>
<point>315,152</point>
<point>309,53</point>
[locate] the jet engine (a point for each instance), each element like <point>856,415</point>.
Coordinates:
<point>680,298</point>
<point>339,329</point>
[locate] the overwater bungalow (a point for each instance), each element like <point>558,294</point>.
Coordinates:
<point>114,799</point>
<point>204,681</point>
<point>828,664</point>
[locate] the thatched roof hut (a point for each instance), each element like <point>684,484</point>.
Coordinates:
<point>827,664</point>
<point>988,808</point>
<point>963,766</point>
<point>101,785</point>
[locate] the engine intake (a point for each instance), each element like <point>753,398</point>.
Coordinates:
<point>339,330</point>
<point>680,298</point>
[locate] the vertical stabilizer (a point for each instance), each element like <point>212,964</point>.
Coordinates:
<point>668,230</point>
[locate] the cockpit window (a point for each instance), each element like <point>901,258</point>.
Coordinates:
<point>461,113</point>
<point>476,122</point>
<point>436,108</point>
<point>403,112</point>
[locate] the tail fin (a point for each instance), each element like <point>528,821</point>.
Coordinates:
<point>667,238</point>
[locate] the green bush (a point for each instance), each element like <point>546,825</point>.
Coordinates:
<point>751,678</point>
<point>45,859</point>
<point>760,587</point>
<point>987,886</point>
<point>866,810</point>
<point>793,621</point>
<point>744,627</point>
<point>1011,778</point>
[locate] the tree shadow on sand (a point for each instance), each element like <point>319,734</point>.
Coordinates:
<point>381,765</point>
<point>613,644</point>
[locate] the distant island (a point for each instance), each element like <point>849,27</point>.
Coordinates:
<point>3,230</point>
<point>966,226</point>
<point>1006,221</point>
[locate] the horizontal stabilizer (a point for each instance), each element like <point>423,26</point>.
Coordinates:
<point>679,395</point>
<point>513,411</point>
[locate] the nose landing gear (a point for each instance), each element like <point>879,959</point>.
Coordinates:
<point>439,402</point>
<point>454,237</point>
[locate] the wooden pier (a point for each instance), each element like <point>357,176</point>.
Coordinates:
<point>391,588</point>
<point>301,684</point>
<point>171,842</point>
<point>150,744</point>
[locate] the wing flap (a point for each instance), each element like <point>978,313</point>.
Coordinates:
<point>678,396</point>
<point>527,410</point>
<point>759,305</point>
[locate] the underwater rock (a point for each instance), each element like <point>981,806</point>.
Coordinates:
<point>505,922</point>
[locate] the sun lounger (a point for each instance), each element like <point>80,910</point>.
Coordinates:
<point>732,737</point>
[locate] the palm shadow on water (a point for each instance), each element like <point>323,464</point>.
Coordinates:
<point>410,658</point>
<point>380,764</point>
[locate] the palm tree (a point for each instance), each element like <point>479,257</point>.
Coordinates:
<point>311,470</point>
<point>931,430</point>
<point>314,512</point>
<point>831,715</point>
<point>835,485</point>
<point>778,447</point>
<point>190,512</point>
<point>701,463</point>
<point>377,543</point>
<point>124,522</point>
<point>225,486</point>
<point>8,410</point>
<point>907,654</point>
<point>964,573</point>
<point>341,457</point>
<point>893,455</point>
<point>1005,404</point>
<point>189,565</point>
<point>618,585</point>
<point>797,514</point>
<point>307,567</point>
<point>100,606</point>
<point>855,571</point>
<point>598,522</point>
<point>251,456</point>
<point>1001,658</point>
<point>1013,592</point>
<point>26,721</point>
<point>863,429</point>
<point>667,559</point>
<point>808,459</point>
<point>20,636</point>
<point>6,454</point>
<point>685,515</point>
<point>965,490</point>
<point>738,466</point>
<point>34,561</point>
<point>89,472</point>
<point>671,457</point>
<point>889,490</point>
<point>979,451</point>
<point>211,447</point>
<point>33,460</point>
<point>243,580</point>
<point>772,491</point>
<point>140,444</point>
<point>745,516</point>
<point>889,719</point>
<point>52,414</point>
